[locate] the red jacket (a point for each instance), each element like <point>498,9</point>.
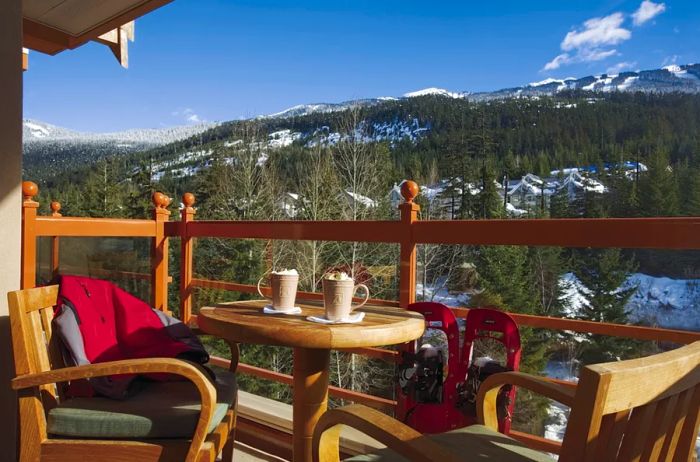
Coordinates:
<point>99,322</point>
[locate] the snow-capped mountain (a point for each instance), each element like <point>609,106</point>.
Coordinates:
<point>434,91</point>
<point>306,109</point>
<point>34,131</point>
<point>674,78</point>
<point>49,149</point>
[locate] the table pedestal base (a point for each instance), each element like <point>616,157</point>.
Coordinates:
<point>311,368</point>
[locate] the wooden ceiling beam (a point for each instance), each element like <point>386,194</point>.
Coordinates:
<point>43,38</point>
<point>46,39</point>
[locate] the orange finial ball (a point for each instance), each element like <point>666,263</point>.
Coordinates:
<point>55,206</point>
<point>168,201</point>
<point>158,199</point>
<point>29,189</point>
<point>409,190</point>
<point>188,199</point>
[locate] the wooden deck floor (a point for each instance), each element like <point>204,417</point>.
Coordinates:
<point>243,453</point>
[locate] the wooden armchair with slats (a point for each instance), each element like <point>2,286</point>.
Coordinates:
<point>645,409</point>
<point>191,420</point>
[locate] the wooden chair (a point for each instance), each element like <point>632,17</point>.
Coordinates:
<point>41,373</point>
<point>643,409</point>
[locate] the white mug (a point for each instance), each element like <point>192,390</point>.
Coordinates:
<point>337,298</point>
<point>284,290</point>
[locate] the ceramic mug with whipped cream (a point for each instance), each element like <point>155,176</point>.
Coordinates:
<point>338,291</point>
<point>283,285</point>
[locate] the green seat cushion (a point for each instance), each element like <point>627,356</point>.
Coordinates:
<point>473,443</point>
<point>159,410</point>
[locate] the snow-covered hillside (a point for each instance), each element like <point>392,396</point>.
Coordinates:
<point>191,162</point>
<point>434,91</point>
<point>656,301</point>
<point>34,131</point>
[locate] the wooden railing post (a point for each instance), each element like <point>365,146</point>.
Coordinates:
<point>55,258</point>
<point>159,253</point>
<point>29,209</point>
<point>407,269</point>
<point>186,260</point>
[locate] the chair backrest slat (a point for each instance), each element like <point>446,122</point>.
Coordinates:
<point>46,318</point>
<point>661,427</point>
<point>40,346</point>
<point>30,337</point>
<point>689,432</point>
<point>644,409</point>
<point>612,429</point>
<point>679,414</point>
<point>31,314</point>
<point>632,447</point>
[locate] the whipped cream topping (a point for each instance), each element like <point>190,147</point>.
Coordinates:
<point>338,276</point>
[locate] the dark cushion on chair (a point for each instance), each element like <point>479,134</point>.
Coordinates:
<point>472,443</point>
<point>160,410</point>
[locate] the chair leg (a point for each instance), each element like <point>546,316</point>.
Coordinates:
<point>227,451</point>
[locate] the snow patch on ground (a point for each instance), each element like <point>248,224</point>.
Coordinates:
<point>514,211</point>
<point>656,301</point>
<point>437,292</point>
<point>282,138</point>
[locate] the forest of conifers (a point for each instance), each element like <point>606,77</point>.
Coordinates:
<point>241,177</point>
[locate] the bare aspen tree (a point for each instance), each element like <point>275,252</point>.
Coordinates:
<point>317,187</point>
<point>437,263</point>
<point>360,164</point>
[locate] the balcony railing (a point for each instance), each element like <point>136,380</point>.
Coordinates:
<point>407,232</point>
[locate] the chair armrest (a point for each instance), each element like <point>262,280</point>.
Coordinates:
<point>394,434</point>
<point>488,393</point>
<point>187,370</point>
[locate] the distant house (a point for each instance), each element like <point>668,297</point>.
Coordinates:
<point>519,196</point>
<point>290,204</point>
<point>358,199</point>
<point>527,191</point>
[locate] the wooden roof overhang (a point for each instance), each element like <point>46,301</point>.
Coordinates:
<point>52,26</point>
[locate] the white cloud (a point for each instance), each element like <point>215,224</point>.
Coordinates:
<point>188,115</point>
<point>557,62</point>
<point>582,56</point>
<point>621,66</point>
<point>591,42</point>
<point>587,56</point>
<point>597,32</point>
<point>647,11</point>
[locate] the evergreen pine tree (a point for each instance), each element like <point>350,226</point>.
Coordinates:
<point>658,189</point>
<point>603,272</point>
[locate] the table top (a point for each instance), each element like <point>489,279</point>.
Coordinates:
<point>244,322</point>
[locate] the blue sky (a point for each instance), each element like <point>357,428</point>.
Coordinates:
<point>217,60</point>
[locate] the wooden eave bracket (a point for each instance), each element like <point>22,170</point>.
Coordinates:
<point>117,40</point>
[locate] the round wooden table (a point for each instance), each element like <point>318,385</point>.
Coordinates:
<point>244,322</point>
